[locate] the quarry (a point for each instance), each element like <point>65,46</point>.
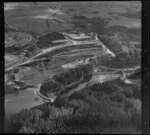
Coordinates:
<point>58,63</point>
<point>73,59</point>
<point>72,67</point>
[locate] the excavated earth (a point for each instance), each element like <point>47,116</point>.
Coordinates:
<point>39,69</point>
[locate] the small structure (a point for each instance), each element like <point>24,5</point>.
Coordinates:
<point>73,64</point>
<point>79,36</point>
<point>124,78</point>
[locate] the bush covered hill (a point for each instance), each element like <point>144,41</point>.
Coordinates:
<point>112,107</point>
<point>46,40</point>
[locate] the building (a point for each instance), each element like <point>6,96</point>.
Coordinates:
<point>77,38</point>
<point>80,36</point>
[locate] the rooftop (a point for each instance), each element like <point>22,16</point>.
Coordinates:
<point>63,40</point>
